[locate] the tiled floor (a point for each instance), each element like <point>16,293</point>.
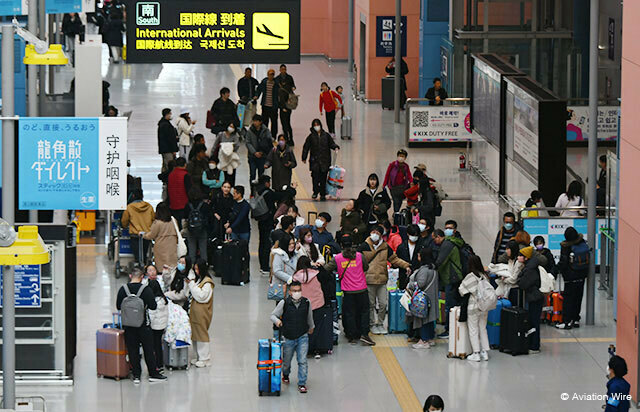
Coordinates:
<point>352,379</point>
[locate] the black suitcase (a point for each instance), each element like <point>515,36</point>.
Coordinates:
<point>235,262</point>
<point>322,339</point>
<point>215,256</point>
<point>514,331</point>
<point>388,92</point>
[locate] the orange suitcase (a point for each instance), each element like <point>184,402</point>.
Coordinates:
<point>111,353</point>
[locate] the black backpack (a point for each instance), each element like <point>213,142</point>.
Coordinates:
<point>579,259</point>
<point>196,219</point>
<point>466,251</point>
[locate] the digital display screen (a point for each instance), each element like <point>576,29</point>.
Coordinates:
<point>486,102</point>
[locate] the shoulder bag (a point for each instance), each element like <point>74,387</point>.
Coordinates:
<point>181,246</point>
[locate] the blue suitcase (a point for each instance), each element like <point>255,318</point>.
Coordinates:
<point>335,182</point>
<point>269,367</point>
<point>493,322</point>
<point>397,321</point>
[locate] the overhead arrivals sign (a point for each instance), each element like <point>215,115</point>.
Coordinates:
<point>241,31</point>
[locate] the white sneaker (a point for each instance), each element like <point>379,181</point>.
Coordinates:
<point>382,329</point>
<point>200,364</point>
<point>420,345</point>
<point>194,361</point>
<point>375,329</point>
<point>432,343</point>
<point>484,355</point>
<point>474,358</point>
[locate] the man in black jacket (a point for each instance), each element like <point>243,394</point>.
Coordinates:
<point>409,251</point>
<point>136,336</point>
<point>248,87</point>
<point>224,112</point>
<point>286,86</point>
<point>574,266</point>
<point>436,94</point>
<point>529,282</point>
<point>167,139</point>
<point>259,144</point>
<point>318,147</point>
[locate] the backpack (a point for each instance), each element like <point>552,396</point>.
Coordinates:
<point>420,303</point>
<point>579,258</point>
<point>196,219</point>
<point>132,308</point>
<point>292,101</point>
<point>486,297</point>
<point>466,251</point>
<point>259,207</point>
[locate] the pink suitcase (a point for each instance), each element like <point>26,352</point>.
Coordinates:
<point>111,353</point>
<point>335,182</point>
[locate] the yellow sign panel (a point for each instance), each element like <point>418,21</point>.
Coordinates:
<point>270,31</point>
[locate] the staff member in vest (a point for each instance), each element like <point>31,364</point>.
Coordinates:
<point>294,317</point>
<point>574,266</point>
<point>178,185</point>
<point>351,267</point>
<point>135,336</point>
<point>201,311</point>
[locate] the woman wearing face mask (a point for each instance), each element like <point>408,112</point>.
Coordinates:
<point>282,160</point>
<point>222,205</point>
<point>425,279</point>
<point>178,291</point>
<point>185,126</point>
<point>318,147</point>
<point>212,177</point>
<point>201,311</point>
<point>310,249</point>
<point>374,202</point>
<point>397,179</point>
<point>229,135</point>
<point>550,266</point>
<point>351,222</point>
<point>284,262</point>
<point>330,101</point>
<point>409,251</point>
<point>508,272</point>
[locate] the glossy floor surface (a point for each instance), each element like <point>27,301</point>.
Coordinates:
<point>390,377</point>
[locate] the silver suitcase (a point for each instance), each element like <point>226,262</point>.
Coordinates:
<point>345,128</point>
<point>175,358</point>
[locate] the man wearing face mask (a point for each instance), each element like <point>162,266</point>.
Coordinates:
<point>282,161</point>
<point>409,251</point>
<point>377,254</point>
<point>167,139</point>
<point>397,179</point>
<point>449,269</point>
<point>212,177</point>
<point>425,239</point>
<point>259,144</point>
<point>508,230</point>
<point>294,317</point>
<point>321,236</point>
<point>318,147</point>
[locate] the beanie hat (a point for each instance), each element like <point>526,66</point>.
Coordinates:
<point>527,252</point>
<point>571,234</point>
<point>346,240</point>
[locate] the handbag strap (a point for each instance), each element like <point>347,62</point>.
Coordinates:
<point>175,225</point>
<point>345,269</point>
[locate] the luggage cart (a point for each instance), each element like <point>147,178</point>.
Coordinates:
<point>30,404</point>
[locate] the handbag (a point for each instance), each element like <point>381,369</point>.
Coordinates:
<point>211,120</point>
<point>405,300</point>
<point>181,246</point>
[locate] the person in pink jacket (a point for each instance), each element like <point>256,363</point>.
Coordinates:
<point>310,278</point>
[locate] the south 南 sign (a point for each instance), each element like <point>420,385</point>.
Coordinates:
<point>72,163</point>
<point>213,32</point>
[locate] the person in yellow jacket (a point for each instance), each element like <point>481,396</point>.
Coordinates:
<point>201,311</point>
<point>138,218</point>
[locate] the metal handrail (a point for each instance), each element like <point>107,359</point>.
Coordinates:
<point>562,209</point>
<point>450,99</point>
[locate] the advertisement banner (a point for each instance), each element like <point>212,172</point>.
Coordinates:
<point>241,31</point>
<point>386,33</point>
<point>578,123</point>
<point>439,124</point>
<point>72,163</point>
<point>21,7</point>
<point>525,129</point>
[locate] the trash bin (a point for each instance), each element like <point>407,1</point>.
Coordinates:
<point>388,84</point>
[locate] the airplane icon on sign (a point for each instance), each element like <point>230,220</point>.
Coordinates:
<point>265,30</point>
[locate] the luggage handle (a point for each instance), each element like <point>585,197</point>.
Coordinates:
<point>117,315</point>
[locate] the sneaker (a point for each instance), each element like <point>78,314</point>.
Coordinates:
<point>563,326</point>
<point>432,343</point>
<point>317,356</point>
<point>444,335</point>
<point>366,340</point>
<point>382,329</point>
<point>420,345</point>
<point>160,370</point>
<point>314,196</point>
<point>474,357</point>
<point>323,198</point>
<point>302,389</point>
<point>575,325</point>
<point>157,378</point>
<point>194,361</point>
<point>136,380</point>
<point>375,329</point>
<point>264,272</point>
<point>534,351</point>
<point>200,364</point>
<point>285,379</point>
<point>484,355</point>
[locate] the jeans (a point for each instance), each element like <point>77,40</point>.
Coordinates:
<point>301,347</point>
<point>256,166</point>
<point>428,331</point>
<point>572,295</point>
<point>270,114</point>
<point>451,300</point>
<point>535,310</point>
<point>157,347</point>
<point>355,314</point>
<point>319,179</point>
<point>285,119</point>
<point>264,247</point>
<point>195,243</point>
<point>331,121</point>
<point>241,236</point>
<point>133,337</point>
<point>379,293</point>
<point>135,248</point>
<point>477,324</point>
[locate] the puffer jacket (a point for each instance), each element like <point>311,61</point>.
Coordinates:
<point>378,273</point>
<point>311,287</point>
<point>160,316</point>
<point>448,261</point>
<point>529,280</point>
<point>283,266</point>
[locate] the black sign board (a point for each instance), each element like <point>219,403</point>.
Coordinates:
<point>169,31</point>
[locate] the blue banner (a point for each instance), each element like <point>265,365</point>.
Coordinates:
<point>63,6</point>
<point>28,291</point>
<point>72,163</point>
<point>11,8</point>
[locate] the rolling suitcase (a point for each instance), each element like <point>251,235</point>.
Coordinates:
<point>241,111</point>
<point>175,356</point>
<point>111,351</point>
<point>339,295</point>
<point>459,343</point>
<point>493,322</point>
<point>215,256</point>
<point>322,339</point>
<point>397,321</point>
<point>335,181</point>
<point>235,262</point>
<point>514,331</point>
<point>442,313</point>
<point>554,306</point>
<point>345,128</point>
<point>269,367</point>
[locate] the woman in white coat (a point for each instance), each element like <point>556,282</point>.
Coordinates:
<point>158,319</point>
<point>175,282</point>
<point>201,311</point>
<point>571,198</point>
<point>476,318</point>
<point>185,126</point>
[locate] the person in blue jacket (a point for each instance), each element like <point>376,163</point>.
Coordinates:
<point>617,387</point>
<point>239,226</point>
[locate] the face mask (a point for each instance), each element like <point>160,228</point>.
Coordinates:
<point>319,223</point>
<point>296,295</point>
<point>317,128</point>
<point>422,227</point>
<point>180,267</point>
<point>539,247</point>
<point>375,237</point>
<point>281,143</point>
<point>230,129</point>
<point>508,226</point>
<point>212,166</point>
<point>413,239</point>
<point>448,232</point>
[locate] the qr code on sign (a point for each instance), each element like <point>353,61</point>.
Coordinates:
<point>420,119</point>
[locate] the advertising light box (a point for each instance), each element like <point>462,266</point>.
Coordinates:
<point>213,32</point>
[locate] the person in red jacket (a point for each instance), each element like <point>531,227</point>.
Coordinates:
<point>329,101</point>
<point>397,179</point>
<point>178,185</point>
